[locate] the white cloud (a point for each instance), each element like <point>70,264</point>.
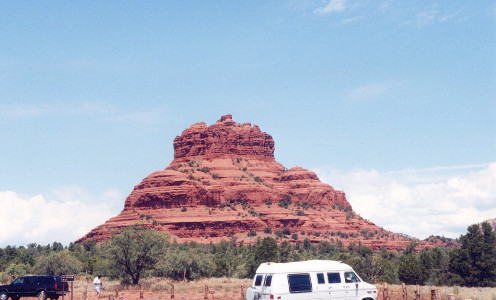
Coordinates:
<point>144,118</point>
<point>68,215</point>
<point>435,201</point>
<point>425,16</point>
<point>370,91</point>
<point>93,109</point>
<point>28,110</point>
<point>332,6</point>
<point>399,12</point>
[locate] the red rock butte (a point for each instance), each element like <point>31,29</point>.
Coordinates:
<point>224,181</point>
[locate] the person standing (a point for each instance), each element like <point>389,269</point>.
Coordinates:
<point>97,284</point>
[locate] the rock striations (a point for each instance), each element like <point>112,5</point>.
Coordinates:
<point>224,181</point>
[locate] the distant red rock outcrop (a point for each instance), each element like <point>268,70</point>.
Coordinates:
<point>224,181</point>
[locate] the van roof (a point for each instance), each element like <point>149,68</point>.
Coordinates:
<point>303,266</point>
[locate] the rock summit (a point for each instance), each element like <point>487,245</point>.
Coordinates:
<point>224,182</point>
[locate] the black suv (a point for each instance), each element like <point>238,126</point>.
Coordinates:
<point>34,286</point>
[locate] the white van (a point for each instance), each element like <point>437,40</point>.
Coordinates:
<point>313,279</point>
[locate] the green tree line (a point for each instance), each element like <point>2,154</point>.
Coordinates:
<point>135,253</point>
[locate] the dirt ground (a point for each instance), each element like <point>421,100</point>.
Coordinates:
<point>161,289</point>
<point>234,289</point>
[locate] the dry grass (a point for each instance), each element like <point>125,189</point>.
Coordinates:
<point>460,293</point>
<point>160,288</point>
<point>230,288</point>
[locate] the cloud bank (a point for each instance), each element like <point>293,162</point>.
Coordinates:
<point>64,216</point>
<point>434,201</point>
<point>332,6</point>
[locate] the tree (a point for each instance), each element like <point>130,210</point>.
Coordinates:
<point>57,263</point>
<point>190,263</point>
<point>475,261</point>
<point>136,250</point>
<point>17,270</point>
<point>410,270</point>
<point>266,251</point>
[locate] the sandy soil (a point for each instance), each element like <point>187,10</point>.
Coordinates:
<point>234,289</point>
<point>156,288</point>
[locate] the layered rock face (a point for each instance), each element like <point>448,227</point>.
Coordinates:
<point>224,138</point>
<point>224,181</point>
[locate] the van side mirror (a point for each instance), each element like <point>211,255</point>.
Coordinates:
<point>356,285</point>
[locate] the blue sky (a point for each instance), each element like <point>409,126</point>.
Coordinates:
<point>391,101</point>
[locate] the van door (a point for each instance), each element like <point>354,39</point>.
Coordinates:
<point>321,290</point>
<point>352,285</point>
<point>335,286</point>
<point>266,287</point>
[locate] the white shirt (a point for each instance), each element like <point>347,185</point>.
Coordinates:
<point>97,281</point>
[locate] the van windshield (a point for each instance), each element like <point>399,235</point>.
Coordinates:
<point>350,277</point>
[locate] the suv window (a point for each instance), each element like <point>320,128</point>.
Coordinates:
<point>299,283</point>
<point>258,280</point>
<point>19,281</point>
<point>333,278</point>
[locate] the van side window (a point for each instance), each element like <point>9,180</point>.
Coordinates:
<point>333,278</point>
<point>299,283</point>
<point>320,278</point>
<point>268,280</point>
<point>350,277</point>
<point>258,280</point>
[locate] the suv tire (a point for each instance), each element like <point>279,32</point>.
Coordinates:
<point>4,295</point>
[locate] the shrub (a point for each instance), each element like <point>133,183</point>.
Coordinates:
<point>205,170</point>
<point>268,230</point>
<point>303,205</point>
<point>17,270</point>
<point>252,233</point>
<point>286,203</point>
<point>184,209</point>
<point>188,263</point>
<point>57,263</point>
